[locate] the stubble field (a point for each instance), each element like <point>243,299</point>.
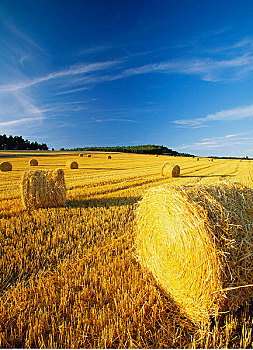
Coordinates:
<point>69,277</point>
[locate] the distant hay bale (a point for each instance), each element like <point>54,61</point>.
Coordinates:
<point>109,157</point>
<point>197,158</point>
<point>71,165</point>
<point>43,188</point>
<point>80,154</point>
<point>89,155</point>
<point>5,166</point>
<point>197,242</point>
<point>170,170</point>
<point>157,155</point>
<point>33,162</point>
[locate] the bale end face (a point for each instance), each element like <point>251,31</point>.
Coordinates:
<point>72,165</point>
<point>109,157</point>
<point>5,166</point>
<point>89,155</point>
<point>170,170</point>
<point>187,236</point>
<point>33,162</point>
<point>80,154</point>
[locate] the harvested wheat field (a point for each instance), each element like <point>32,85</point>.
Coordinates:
<point>72,277</point>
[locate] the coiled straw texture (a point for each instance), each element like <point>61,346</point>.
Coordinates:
<point>197,242</point>
<point>33,162</point>
<point>43,189</point>
<point>71,165</point>
<point>5,166</point>
<point>170,170</point>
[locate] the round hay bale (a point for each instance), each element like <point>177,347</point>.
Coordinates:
<point>80,154</point>
<point>197,242</point>
<point>197,158</point>
<point>71,165</point>
<point>43,189</point>
<point>89,155</point>
<point>33,162</point>
<point>109,157</point>
<point>5,166</point>
<point>170,170</point>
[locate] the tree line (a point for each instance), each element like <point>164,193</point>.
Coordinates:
<point>141,149</point>
<point>18,143</point>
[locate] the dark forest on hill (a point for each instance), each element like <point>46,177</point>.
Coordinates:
<point>18,143</point>
<point>141,149</point>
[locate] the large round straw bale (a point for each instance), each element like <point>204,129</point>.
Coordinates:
<point>33,162</point>
<point>89,155</point>
<point>5,166</point>
<point>170,170</point>
<point>72,165</point>
<point>80,154</point>
<point>197,241</point>
<point>109,157</point>
<point>42,189</point>
<point>197,158</point>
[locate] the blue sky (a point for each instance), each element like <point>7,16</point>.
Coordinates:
<point>106,73</point>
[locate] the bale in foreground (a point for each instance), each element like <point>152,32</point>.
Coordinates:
<point>170,170</point>
<point>197,241</point>
<point>71,165</point>
<point>43,189</point>
<point>33,162</point>
<point>5,166</point>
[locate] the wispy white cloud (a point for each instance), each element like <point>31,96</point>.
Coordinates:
<point>208,69</point>
<point>95,49</point>
<point>17,34</point>
<point>115,120</point>
<point>224,115</point>
<point>73,70</point>
<point>242,46</point>
<point>237,143</point>
<point>21,121</point>
<point>71,91</point>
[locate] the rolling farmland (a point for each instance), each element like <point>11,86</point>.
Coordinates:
<point>69,275</point>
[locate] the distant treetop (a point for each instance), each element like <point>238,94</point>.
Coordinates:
<point>141,149</point>
<point>18,143</point>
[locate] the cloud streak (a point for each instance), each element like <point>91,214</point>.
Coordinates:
<point>225,115</point>
<point>21,121</point>
<point>236,142</point>
<point>208,69</point>
<point>73,70</point>
<point>115,120</point>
